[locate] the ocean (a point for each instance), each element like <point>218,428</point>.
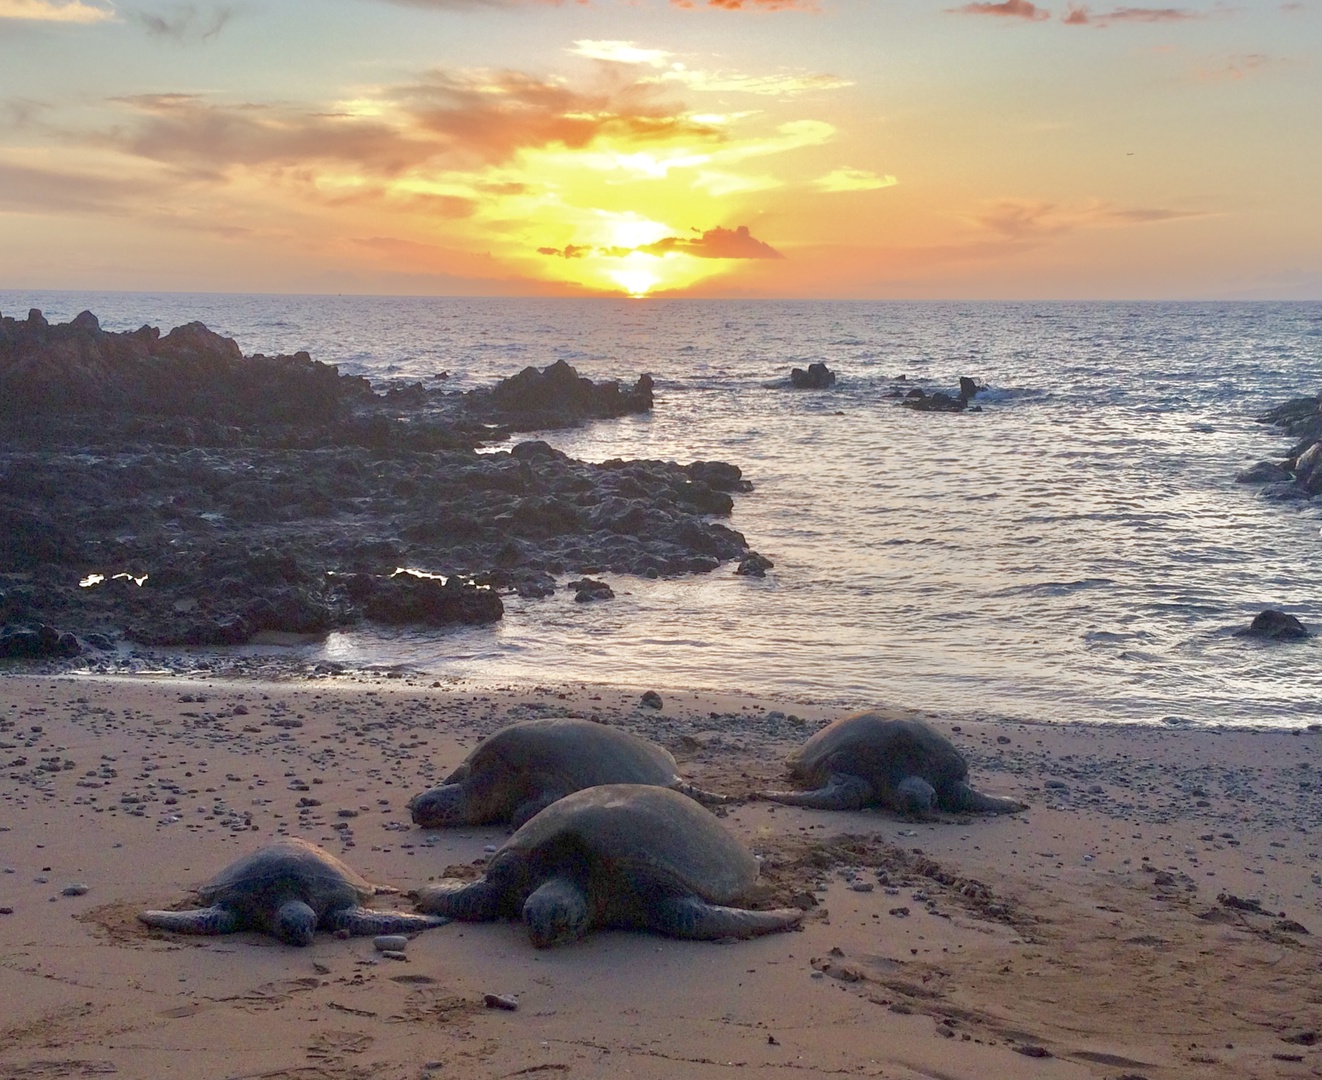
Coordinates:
<point>1076,551</point>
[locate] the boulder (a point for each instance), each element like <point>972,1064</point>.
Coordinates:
<point>408,599</point>
<point>1273,625</point>
<point>817,377</point>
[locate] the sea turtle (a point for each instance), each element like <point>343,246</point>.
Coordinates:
<point>622,855</point>
<point>517,771</point>
<point>885,759</point>
<point>289,889</point>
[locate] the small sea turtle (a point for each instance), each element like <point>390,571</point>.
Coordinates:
<point>521,769</point>
<point>619,855</point>
<point>289,889</point>
<point>890,760</point>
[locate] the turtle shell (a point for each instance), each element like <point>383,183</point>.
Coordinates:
<point>881,747</point>
<point>572,754</point>
<point>290,863</point>
<point>644,829</point>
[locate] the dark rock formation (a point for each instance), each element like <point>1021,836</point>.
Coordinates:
<point>939,401</point>
<point>1273,625</point>
<point>202,497</point>
<point>37,642</point>
<point>589,589</point>
<point>406,598</point>
<point>556,397</point>
<point>1299,476</point>
<point>817,377</point>
<point>754,565</point>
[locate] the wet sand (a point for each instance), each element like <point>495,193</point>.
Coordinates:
<point>1148,916</point>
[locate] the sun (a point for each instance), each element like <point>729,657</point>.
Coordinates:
<point>636,282</point>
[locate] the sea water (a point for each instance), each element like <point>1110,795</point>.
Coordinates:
<point>1078,550</point>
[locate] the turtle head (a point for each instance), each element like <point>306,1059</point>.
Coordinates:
<point>914,795</point>
<point>441,806</point>
<point>556,912</point>
<point>295,923</point>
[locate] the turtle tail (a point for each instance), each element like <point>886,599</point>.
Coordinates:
<point>961,798</point>
<point>364,922</point>
<point>692,917</point>
<point>208,920</point>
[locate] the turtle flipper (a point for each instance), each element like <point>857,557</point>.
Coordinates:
<point>702,795</point>
<point>208,920</point>
<point>842,792</point>
<point>364,922</point>
<point>961,798</point>
<point>694,918</point>
<point>472,901</point>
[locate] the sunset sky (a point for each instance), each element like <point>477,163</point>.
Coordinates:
<point>780,148</point>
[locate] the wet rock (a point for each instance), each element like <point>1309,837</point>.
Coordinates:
<point>589,589</point>
<point>1273,625</point>
<point>409,599</point>
<point>816,377</point>
<point>754,565</point>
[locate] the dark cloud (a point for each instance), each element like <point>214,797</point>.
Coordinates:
<point>1018,9</point>
<point>184,22</point>
<point>717,243</point>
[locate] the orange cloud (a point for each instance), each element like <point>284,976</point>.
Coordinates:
<point>1020,9</point>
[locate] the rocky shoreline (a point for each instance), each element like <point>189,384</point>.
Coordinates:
<point>1297,476</point>
<point>166,490</point>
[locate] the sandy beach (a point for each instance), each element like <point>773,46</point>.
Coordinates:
<point>1154,913</point>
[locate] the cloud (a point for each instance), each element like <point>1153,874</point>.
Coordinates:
<point>717,243</point>
<point>443,120</point>
<point>750,5</point>
<point>1238,67</point>
<point>1080,15</point>
<point>620,52</point>
<point>1022,220</point>
<point>853,180</point>
<point>1019,9</point>
<point>26,189</point>
<point>668,70</point>
<point>1150,15</point>
<point>727,5</point>
<point>71,11</point>
<point>184,22</point>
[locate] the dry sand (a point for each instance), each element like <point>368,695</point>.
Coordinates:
<point>1105,932</point>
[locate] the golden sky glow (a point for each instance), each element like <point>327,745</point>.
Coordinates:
<point>712,147</point>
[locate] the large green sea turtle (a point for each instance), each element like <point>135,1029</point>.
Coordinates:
<point>618,855</point>
<point>519,770</point>
<point>289,889</point>
<point>885,759</point>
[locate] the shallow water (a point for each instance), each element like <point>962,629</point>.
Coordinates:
<point>1077,550</point>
